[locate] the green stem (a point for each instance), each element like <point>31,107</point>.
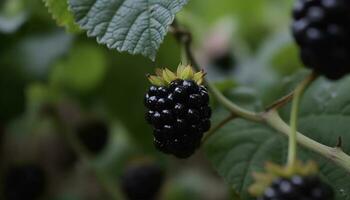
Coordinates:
<point>234,108</point>
<point>336,154</point>
<point>298,93</point>
<point>218,126</point>
<point>185,37</point>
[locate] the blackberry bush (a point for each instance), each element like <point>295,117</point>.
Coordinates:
<point>178,110</point>
<point>24,182</point>
<point>321,29</point>
<point>93,134</point>
<point>142,181</point>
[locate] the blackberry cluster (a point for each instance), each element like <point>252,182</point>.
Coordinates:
<point>93,134</point>
<point>142,182</point>
<point>180,115</point>
<point>321,29</point>
<point>298,188</point>
<point>24,182</point>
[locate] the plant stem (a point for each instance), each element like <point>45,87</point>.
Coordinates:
<point>298,93</point>
<point>218,126</point>
<point>281,102</point>
<point>336,155</point>
<point>185,38</point>
<point>234,108</point>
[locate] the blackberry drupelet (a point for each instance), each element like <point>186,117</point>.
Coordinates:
<point>93,134</point>
<point>142,182</point>
<point>24,182</point>
<point>179,113</point>
<point>321,29</point>
<point>298,188</point>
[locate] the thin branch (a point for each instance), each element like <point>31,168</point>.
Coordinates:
<point>218,126</point>
<point>185,38</point>
<point>280,102</point>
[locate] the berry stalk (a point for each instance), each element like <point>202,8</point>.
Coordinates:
<point>185,38</point>
<point>299,91</point>
<point>334,154</point>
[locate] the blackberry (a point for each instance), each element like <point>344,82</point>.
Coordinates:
<point>93,134</point>
<point>298,181</point>
<point>321,29</point>
<point>223,61</point>
<point>142,182</point>
<point>24,182</point>
<point>298,188</point>
<point>179,112</point>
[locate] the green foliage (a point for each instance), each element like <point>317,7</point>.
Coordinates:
<point>82,71</point>
<point>41,64</point>
<point>242,147</point>
<point>12,85</point>
<point>37,52</point>
<point>12,15</point>
<point>60,12</point>
<point>137,27</point>
<point>286,60</point>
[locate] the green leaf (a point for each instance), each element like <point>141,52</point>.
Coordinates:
<point>134,26</point>
<point>242,147</point>
<point>60,12</point>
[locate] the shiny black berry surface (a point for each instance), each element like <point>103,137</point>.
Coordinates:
<point>180,115</point>
<point>93,134</point>
<point>298,188</point>
<point>142,182</point>
<point>24,182</point>
<point>321,29</point>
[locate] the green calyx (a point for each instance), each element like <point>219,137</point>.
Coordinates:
<point>274,171</point>
<point>165,76</point>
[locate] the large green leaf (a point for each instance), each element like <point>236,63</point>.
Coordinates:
<point>60,12</point>
<point>243,147</point>
<point>135,26</point>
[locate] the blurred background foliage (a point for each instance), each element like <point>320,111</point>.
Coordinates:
<point>51,80</point>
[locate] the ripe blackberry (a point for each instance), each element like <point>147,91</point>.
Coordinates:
<point>298,188</point>
<point>142,182</point>
<point>24,182</point>
<point>93,134</point>
<point>321,30</point>
<point>178,110</point>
